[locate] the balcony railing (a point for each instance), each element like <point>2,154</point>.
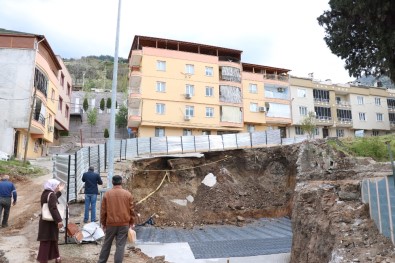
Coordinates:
<point>39,118</point>
<point>276,77</point>
<point>344,119</point>
<point>343,103</point>
<point>391,108</point>
<point>135,90</point>
<point>321,101</point>
<point>324,118</point>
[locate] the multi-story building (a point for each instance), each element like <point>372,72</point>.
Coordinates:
<point>341,110</point>
<point>35,90</point>
<point>182,88</point>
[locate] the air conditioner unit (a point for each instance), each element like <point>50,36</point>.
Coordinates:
<point>280,89</point>
<point>50,128</point>
<point>187,118</point>
<point>188,96</point>
<point>262,109</point>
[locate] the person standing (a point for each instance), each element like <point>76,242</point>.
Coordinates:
<point>48,231</point>
<point>116,216</point>
<point>7,190</point>
<point>91,180</point>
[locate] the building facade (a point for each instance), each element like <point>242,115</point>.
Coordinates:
<point>182,88</point>
<point>35,88</point>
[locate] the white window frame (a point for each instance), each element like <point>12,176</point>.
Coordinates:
<point>160,65</point>
<point>190,69</point>
<point>160,108</point>
<point>250,128</point>
<point>362,116</point>
<point>209,91</point>
<point>302,111</point>
<point>360,100</point>
<point>253,88</point>
<point>159,132</point>
<point>186,132</point>
<point>339,133</point>
<point>209,112</point>
<point>375,133</point>
<point>190,89</point>
<point>377,101</point>
<point>189,111</point>
<point>298,130</point>
<point>253,107</point>
<point>209,71</point>
<point>160,86</point>
<point>301,93</point>
<point>379,117</point>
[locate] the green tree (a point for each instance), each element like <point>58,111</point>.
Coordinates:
<point>92,118</point>
<point>106,134</point>
<point>85,105</point>
<point>121,118</point>
<point>308,124</point>
<point>363,34</point>
<point>102,104</point>
<point>108,103</point>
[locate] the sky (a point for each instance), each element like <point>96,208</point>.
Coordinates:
<point>280,33</point>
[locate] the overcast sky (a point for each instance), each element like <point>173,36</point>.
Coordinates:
<point>281,33</point>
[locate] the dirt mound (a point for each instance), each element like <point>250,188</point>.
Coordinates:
<point>249,184</point>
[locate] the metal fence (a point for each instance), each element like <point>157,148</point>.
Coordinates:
<point>69,168</point>
<point>379,193</point>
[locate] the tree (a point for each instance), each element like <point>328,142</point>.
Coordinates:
<point>363,33</point>
<point>106,134</point>
<point>85,105</point>
<point>102,104</point>
<point>121,118</point>
<point>108,104</point>
<point>92,118</point>
<point>308,124</point>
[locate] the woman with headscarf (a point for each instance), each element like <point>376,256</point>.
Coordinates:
<point>48,231</point>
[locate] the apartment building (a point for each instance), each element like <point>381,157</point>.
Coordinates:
<point>342,110</point>
<point>35,90</point>
<point>182,88</point>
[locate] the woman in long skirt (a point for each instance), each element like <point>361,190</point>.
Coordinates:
<point>48,231</point>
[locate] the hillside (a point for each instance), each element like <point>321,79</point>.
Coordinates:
<point>96,72</point>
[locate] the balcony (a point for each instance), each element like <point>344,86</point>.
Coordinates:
<point>278,77</point>
<point>343,104</point>
<point>135,59</point>
<point>38,124</point>
<point>344,122</point>
<point>134,118</point>
<point>392,125</point>
<point>77,111</point>
<point>391,108</point>
<point>324,120</point>
<point>320,101</point>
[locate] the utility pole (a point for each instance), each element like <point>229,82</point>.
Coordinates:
<point>113,102</point>
<point>33,102</point>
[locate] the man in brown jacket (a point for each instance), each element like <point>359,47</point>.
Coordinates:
<point>116,216</point>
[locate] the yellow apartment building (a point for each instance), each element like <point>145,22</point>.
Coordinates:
<point>182,88</point>
<point>342,110</point>
<point>31,79</point>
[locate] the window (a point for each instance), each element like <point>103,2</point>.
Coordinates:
<point>49,119</point>
<point>190,69</point>
<point>161,65</point>
<point>68,89</point>
<point>379,117</point>
<point>298,130</point>
<point>254,107</point>
<point>316,131</point>
<point>209,71</point>
<point>53,95</point>
<point>66,113</point>
<point>189,111</point>
<point>190,89</point>
<point>250,128</point>
<point>253,88</point>
<point>360,100</point>
<point>160,86</point>
<point>160,108</point>
<point>187,132</point>
<point>60,104</point>
<point>209,91</point>
<point>301,93</point>
<point>204,132</point>
<point>339,132</point>
<point>362,116</point>
<point>302,111</point>
<point>62,79</point>
<point>209,112</point>
<point>377,101</point>
<point>375,133</point>
<point>159,132</point>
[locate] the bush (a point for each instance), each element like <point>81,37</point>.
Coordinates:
<point>106,134</point>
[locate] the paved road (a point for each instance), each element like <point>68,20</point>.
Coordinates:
<point>263,237</point>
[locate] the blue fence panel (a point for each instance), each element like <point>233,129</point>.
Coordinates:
<point>373,203</point>
<point>188,144</point>
<point>158,145</point>
<point>384,215</point>
<point>202,143</point>
<point>258,139</point>
<point>216,142</point>
<point>243,140</point>
<point>144,146</point>
<point>230,141</point>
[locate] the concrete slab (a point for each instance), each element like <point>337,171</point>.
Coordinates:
<point>182,253</point>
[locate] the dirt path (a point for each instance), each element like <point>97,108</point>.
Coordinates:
<point>18,241</point>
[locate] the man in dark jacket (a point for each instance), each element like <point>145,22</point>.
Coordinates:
<point>116,216</point>
<point>91,180</point>
<point>7,190</point>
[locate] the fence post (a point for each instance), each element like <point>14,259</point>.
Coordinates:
<point>105,156</point>
<point>89,156</point>
<point>250,139</point>
<point>98,158</point>
<point>194,142</point>
<point>237,143</point>
<point>167,146</point>
<point>182,145</point>
<point>137,146</point>
<point>222,139</point>
<point>209,146</point>
<point>150,146</point>
<point>75,176</point>
<point>67,200</point>
<point>266,137</point>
